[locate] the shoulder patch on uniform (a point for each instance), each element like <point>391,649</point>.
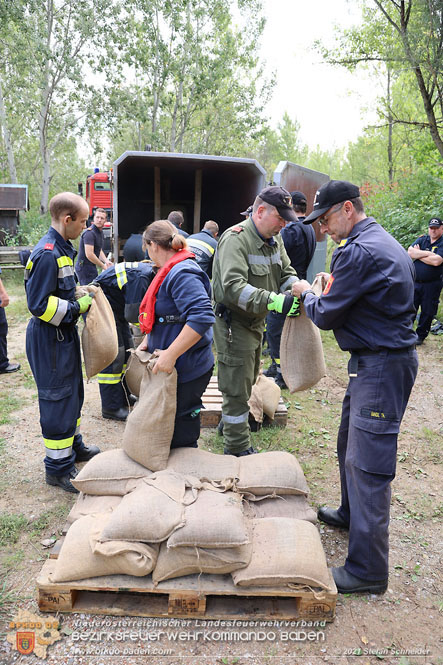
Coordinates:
<point>343,242</point>
<point>328,285</point>
<point>237,229</point>
<point>49,245</point>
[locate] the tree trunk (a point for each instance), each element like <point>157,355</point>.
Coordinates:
<point>7,139</point>
<point>390,127</point>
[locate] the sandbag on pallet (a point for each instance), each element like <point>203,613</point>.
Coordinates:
<point>214,520</point>
<point>181,561</point>
<point>99,335</point>
<point>150,425</point>
<point>220,469</point>
<point>274,472</point>
<point>284,552</point>
<point>301,350</point>
<point>264,399</point>
<point>88,504</point>
<point>83,556</point>
<point>110,473</point>
<point>295,506</point>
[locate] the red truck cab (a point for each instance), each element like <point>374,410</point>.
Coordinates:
<point>99,194</point>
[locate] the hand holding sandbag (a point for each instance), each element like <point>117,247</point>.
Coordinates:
<point>284,304</point>
<point>85,303</point>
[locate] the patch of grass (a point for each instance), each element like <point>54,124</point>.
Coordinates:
<point>8,599</point>
<point>11,526</point>
<point>49,518</point>
<point>12,560</point>
<point>8,404</point>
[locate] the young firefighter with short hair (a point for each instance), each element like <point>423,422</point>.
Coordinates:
<point>52,342</point>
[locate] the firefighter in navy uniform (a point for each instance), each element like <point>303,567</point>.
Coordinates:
<point>368,303</point>
<point>427,253</point>
<point>124,285</point>
<point>203,245</point>
<point>52,342</point>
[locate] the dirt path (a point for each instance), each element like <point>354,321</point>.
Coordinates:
<point>402,626</point>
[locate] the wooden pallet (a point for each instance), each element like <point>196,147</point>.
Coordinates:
<point>212,407</point>
<point>193,596</point>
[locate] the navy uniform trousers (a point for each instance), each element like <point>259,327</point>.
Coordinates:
<point>373,407</point>
<point>4,361</point>
<point>113,390</point>
<point>426,296</point>
<point>54,356</point>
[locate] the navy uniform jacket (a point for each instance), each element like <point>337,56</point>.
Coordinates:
<point>124,285</point>
<point>424,272</point>
<point>185,294</point>
<point>300,242</point>
<point>133,248</point>
<point>369,299</point>
<point>50,280</point>
<point>203,245</point>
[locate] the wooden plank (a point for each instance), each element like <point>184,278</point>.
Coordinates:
<point>208,596</point>
<point>197,200</point>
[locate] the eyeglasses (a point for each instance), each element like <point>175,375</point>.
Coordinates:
<point>323,221</point>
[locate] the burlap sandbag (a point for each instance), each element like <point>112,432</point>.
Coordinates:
<point>135,370</point>
<point>284,551</point>
<point>270,394</point>
<point>150,425</point>
<point>295,506</point>
<point>220,469</point>
<point>301,350</point>
<point>110,473</point>
<point>99,335</point>
<point>152,512</point>
<point>88,504</point>
<point>214,520</point>
<point>181,561</point>
<point>275,472</point>
<point>255,403</point>
<point>79,557</point>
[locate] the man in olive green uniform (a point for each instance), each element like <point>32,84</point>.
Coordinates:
<point>251,273</point>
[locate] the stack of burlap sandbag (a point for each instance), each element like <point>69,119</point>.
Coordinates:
<point>204,513</point>
<point>301,350</point>
<point>99,335</point>
<point>148,509</point>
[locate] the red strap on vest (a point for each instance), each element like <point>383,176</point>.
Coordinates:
<point>147,306</point>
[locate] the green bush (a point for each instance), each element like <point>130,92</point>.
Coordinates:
<point>405,209</point>
<point>32,227</point>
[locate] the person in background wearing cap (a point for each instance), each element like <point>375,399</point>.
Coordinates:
<point>368,303</point>
<point>251,273</point>
<point>300,242</point>
<point>427,253</point>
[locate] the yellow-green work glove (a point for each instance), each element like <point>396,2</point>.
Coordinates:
<point>85,303</point>
<point>284,304</point>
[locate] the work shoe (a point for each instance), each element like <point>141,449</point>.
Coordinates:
<point>348,583</point>
<point>74,472</point>
<point>64,482</point>
<point>132,399</point>
<point>11,367</point>
<point>119,414</point>
<point>279,380</point>
<point>248,451</point>
<point>86,453</point>
<point>330,516</point>
<point>272,370</point>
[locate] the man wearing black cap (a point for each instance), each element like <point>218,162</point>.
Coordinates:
<point>427,252</point>
<point>300,242</point>
<point>251,273</point>
<point>368,303</point>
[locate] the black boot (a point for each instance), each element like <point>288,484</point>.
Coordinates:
<point>119,414</point>
<point>64,482</point>
<point>86,453</point>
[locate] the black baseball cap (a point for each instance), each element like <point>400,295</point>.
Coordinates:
<point>435,222</point>
<point>334,191</point>
<point>298,198</point>
<point>247,212</point>
<point>281,199</point>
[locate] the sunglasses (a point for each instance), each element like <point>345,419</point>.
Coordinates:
<point>323,221</point>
